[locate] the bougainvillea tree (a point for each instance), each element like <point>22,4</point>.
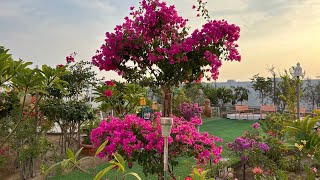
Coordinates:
<point>154,42</point>
<point>141,141</point>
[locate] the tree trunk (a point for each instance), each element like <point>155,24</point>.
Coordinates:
<point>166,101</point>
<point>27,168</point>
<point>78,135</point>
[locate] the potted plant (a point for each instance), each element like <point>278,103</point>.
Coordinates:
<point>85,144</point>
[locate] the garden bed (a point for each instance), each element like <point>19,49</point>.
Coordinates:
<point>10,173</point>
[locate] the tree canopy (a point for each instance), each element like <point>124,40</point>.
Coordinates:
<point>154,42</point>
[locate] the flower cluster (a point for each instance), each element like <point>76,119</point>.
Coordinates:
<point>70,58</point>
<point>257,170</point>
<point>155,35</point>
<point>196,120</point>
<point>110,83</point>
<point>108,91</point>
<point>256,125</point>
<point>60,65</point>
<point>272,133</point>
<point>243,146</point>
<point>134,136</point>
<point>189,110</point>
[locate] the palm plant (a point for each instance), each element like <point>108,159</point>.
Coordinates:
<point>304,135</point>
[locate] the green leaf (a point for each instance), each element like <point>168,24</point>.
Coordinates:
<point>65,163</point>
<point>78,152</point>
<point>133,174</point>
<point>70,154</point>
<point>21,94</point>
<point>196,171</point>
<point>43,91</point>
<point>101,147</point>
<point>120,167</point>
<point>103,172</point>
<point>119,158</point>
<point>204,173</point>
<point>50,169</point>
<point>84,158</point>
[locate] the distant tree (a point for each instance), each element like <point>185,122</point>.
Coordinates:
<point>225,96</point>
<point>317,90</point>
<point>240,94</point>
<point>263,86</point>
<point>275,92</point>
<point>191,91</point>
<point>210,93</point>
<point>288,91</point>
<point>309,94</point>
<point>287,87</point>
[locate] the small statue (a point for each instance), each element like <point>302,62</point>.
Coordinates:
<point>207,108</point>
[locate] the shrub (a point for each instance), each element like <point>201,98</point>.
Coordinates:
<point>274,125</point>
<point>141,141</point>
<point>250,147</point>
<point>189,110</point>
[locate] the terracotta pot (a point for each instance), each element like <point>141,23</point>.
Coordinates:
<point>88,149</point>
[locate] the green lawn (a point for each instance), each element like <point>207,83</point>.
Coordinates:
<point>226,129</point>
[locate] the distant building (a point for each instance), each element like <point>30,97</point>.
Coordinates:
<point>253,100</point>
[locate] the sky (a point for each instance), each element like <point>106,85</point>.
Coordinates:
<point>276,33</point>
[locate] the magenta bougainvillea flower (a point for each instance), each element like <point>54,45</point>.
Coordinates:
<point>70,58</point>
<point>133,136</point>
<point>189,111</point>
<point>60,65</point>
<point>154,40</point>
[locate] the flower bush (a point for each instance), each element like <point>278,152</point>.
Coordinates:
<point>250,147</point>
<point>189,110</point>
<point>274,125</point>
<point>140,141</point>
<point>154,43</point>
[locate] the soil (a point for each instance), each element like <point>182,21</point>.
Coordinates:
<point>9,172</point>
<point>239,173</point>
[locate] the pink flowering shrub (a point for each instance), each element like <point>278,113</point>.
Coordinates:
<point>251,148</point>
<point>154,35</point>
<point>154,44</point>
<point>140,141</point>
<point>189,110</point>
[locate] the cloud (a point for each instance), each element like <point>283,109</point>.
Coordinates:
<point>47,31</point>
<point>96,5</point>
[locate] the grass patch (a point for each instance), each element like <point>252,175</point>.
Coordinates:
<point>226,129</point>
